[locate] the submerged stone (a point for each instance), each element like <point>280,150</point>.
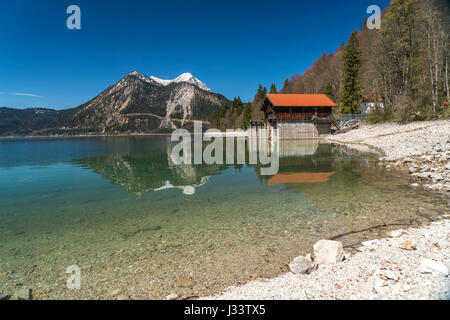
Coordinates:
<point>302,265</point>
<point>22,294</point>
<point>186,282</point>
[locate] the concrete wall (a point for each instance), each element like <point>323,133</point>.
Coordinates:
<point>302,130</point>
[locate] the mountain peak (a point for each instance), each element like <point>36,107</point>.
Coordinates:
<point>184,77</point>
<point>139,76</point>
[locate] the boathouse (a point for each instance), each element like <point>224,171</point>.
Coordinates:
<point>298,116</point>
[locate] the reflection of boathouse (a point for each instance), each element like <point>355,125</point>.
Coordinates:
<point>298,116</point>
<point>300,177</point>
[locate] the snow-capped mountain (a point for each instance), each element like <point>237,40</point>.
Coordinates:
<point>185,77</point>
<point>135,104</point>
<point>138,103</point>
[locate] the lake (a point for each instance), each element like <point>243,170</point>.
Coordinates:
<point>138,225</point>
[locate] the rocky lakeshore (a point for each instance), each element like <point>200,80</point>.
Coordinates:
<point>422,148</point>
<point>407,264</point>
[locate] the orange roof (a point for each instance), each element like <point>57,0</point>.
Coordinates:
<point>303,177</point>
<point>300,100</point>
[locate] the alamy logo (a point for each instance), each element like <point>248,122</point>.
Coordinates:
<point>374,21</point>
<point>74,20</point>
<point>262,148</point>
<point>74,280</point>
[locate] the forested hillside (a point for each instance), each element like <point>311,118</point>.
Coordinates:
<point>405,64</point>
<point>237,115</point>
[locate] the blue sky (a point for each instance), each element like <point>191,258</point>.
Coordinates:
<point>231,46</point>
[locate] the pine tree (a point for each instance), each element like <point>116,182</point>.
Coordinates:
<point>350,90</point>
<point>247,115</point>
<point>286,85</point>
<point>273,89</point>
<point>329,91</point>
<point>238,106</point>
<point>260,93</point>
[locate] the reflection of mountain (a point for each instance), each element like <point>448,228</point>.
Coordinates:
<point>141,172</point>
<point>187,190</point>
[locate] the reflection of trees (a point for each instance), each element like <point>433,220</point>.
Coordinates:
<point>141,172</point>
<point>309,167</point>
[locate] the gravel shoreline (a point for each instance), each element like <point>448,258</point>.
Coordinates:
<point>423,148</point>
<point>380,270</point>
<point>396,267</point>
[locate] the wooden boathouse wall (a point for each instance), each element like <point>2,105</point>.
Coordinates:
<point>292,130</point>
<point>298,116</point>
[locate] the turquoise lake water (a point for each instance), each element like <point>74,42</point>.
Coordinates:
<point>137,224</point>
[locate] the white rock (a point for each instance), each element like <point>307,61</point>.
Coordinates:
<point>424,175</point>
<point>431,266</point>
<point>396,233</point>
<point>442,244</point>
<point>328,252</point>
<point>447,166</point>
<point>172,296</point>
<point>407,287</point>
<point>369,243</point>
<point>407,159</point>
<point>115,292</point>
<point>437,177</point>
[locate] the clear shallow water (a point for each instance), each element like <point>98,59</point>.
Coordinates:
<point>117,208</point>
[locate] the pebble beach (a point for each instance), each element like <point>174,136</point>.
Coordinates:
<point>407,263</point>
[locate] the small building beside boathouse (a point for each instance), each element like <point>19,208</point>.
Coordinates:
<point>298,116</point>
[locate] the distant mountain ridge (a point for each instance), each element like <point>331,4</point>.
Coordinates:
<point>135,104</point>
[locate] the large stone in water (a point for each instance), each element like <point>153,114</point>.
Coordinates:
<point>328,252</point>
<point>22,294</point>
<point>186,282</point>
